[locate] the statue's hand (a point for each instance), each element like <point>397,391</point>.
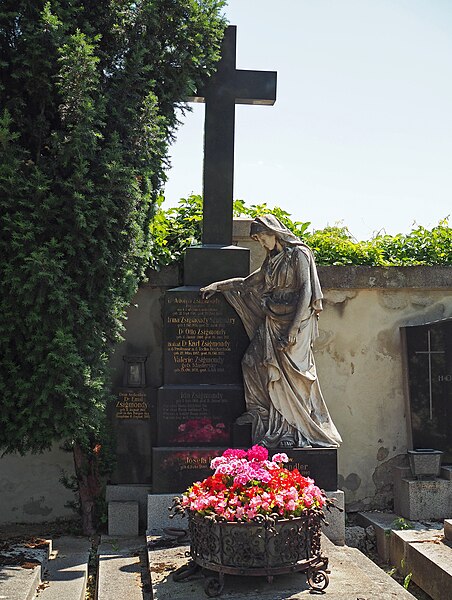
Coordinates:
<point>208,291</point>
<point>291,337</point>
<point>286,342</point>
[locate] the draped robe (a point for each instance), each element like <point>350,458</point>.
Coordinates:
<point>283,397</point>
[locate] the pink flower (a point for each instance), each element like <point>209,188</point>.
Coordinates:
<point>250,513</point>
<point>257,453</point>
<point>233,452</point>
<point>216,462</point>
<point>280,458</point>
<point>290,505</point>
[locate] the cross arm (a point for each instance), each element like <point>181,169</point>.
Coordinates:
<point>248,87</point>
<point>255,87</point>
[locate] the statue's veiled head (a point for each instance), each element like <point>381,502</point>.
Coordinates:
<point>269,225</point>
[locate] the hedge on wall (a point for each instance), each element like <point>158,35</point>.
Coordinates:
<point>174,229</point>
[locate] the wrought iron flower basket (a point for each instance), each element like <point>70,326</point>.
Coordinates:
<point>266,546</point>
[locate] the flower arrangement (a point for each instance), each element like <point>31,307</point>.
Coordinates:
<point>201,430</point>
<point>246,486</point>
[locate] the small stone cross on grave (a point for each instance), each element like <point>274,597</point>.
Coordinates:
<point>222,91</point>
<point>429,352</point>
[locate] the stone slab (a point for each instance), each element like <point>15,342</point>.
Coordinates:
<point>17,583</point>
<point>130,416</point>
<point>318,463</point>
<point>123,518</point>
<point>448,529</point>
<point>131,493</point>
<point>352,576</point>
<point>201,415</point>
<point>430,563</point>
<point>204,340</point>
<point>120,568</point>
<point>384,524</point>
<point>428,359</point>
<point>400,541</point>
<point>175,469</point>
<point>67,577</point>
<point>423,500</point>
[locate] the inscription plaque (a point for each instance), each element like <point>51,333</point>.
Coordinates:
<point>130,418</point>
<point>204,339</point>
<point>198,415</point>
<point>429,370</point>
<point>319,464</point>
<point>178,468</point>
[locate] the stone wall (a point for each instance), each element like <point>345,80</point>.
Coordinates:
<point>360,368</point>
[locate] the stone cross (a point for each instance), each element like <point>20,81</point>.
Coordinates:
<point>429,353</point>
<point>226,88</point>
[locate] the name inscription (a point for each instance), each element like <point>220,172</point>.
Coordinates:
<point>202,337</point>
<point>132,405</point>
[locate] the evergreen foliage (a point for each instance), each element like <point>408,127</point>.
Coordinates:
<point>176,228</point>
<point>88,94</point>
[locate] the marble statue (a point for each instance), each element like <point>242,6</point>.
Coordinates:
<point>279,305</point>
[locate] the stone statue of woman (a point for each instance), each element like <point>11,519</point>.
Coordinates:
<point>279,306</point>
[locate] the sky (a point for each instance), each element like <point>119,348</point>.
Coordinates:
<point>361,131</point>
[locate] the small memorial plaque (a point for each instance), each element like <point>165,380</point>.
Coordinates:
<point>429,371</point>
<point>198,415</point>
<point>175,469</point>
<point>318,463</point>
<point>131,421</point>
<point>204,340</point>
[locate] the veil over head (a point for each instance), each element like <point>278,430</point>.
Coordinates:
<point>271,224</point>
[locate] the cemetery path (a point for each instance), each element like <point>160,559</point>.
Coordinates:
<point>353,577</point>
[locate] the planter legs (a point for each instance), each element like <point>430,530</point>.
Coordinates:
<point>214,586</point>
<point>317,580</point>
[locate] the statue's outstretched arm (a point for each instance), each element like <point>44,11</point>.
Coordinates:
<point>236,283</point>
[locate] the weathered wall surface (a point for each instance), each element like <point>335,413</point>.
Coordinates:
<point>360,367</point>
<point>30,490</point>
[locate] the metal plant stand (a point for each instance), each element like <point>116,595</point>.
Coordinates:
<point>267,546</point>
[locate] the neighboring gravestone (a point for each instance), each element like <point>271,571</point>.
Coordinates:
<point>428,354</point>
<point>204,340</point>
<point>130,416</point>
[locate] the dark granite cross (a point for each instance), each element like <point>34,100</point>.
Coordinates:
<point>226,88</point>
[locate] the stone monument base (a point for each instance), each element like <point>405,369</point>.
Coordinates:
<point>124,495</point>
<point>421,499</point>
